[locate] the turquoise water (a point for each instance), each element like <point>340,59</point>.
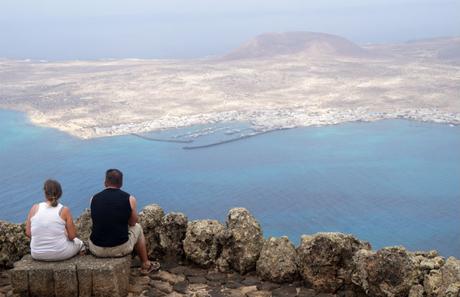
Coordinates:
<point>389,182</point>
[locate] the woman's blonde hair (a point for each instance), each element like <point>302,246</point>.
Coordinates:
<point>53,191</point>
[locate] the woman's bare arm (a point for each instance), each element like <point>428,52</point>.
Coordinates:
<point>69,225</point>
<point>32,212</point>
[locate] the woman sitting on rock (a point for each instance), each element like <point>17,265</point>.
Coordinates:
<point>51,229</point>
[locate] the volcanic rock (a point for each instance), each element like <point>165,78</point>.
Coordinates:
<point>172,234</point>
<point>14,243</point>
<point>242,241</point>
<point>84,225</point>
<point>150,219</point>
<point>388,272</point>
<point>325,260</point>
<point>278,260</point>
<point>445,281</point>
<point>201,243</point>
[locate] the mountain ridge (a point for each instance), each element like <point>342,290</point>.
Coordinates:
<point>312,44</point>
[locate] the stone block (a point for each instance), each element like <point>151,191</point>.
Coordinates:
<point>41,282</point>
<point>85,281</point>
<point>84,276</point>
<point>65,280</point>
<point>20,281</point>
<point>109,277</point>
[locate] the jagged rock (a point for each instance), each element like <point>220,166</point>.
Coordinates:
<point>417,291</point>
<point>427,254</point>
<point>325,260</point>
<point>242,241</point>
<point>172,234</point>
<point>84,225</point>
<point>453,290</point>
<point>445,281</point>
<point>222,262</point>
<point>432,283</point>
<point>388,272</point>
<point>14,243</point>
<point>201,244</point>
<point>278,260</point>
<point>451,275</point>
<point>150,219</point>
<point>430,264</point>
<point>427,261</point>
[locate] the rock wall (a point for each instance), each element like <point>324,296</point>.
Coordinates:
<point>331,263</point>
<point>13,243</point>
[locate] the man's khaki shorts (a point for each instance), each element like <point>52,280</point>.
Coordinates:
<point>134,233</point>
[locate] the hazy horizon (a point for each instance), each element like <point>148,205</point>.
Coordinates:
<point>54,30</point>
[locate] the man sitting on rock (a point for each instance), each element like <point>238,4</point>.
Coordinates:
<point>116,231</point>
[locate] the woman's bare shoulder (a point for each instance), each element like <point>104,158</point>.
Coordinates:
<point>65,212</point>
<point>33,210</point>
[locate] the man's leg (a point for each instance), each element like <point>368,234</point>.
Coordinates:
<point>137,239</point>
<point>141,250</point>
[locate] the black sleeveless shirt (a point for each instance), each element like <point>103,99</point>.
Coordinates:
<point>110,212</point>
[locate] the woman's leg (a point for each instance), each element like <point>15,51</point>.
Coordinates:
<point>74,247</point>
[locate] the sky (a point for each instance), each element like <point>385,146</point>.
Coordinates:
<point>99,29</point>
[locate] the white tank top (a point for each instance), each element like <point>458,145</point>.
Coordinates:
<point>48,230</point>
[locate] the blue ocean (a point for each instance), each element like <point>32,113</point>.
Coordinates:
<point>392,182</point>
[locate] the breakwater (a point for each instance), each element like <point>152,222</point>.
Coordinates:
<point>160,139</point>
<point>242,137</point>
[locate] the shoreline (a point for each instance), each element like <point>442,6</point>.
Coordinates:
<point>257,122</point>
<point>261,122</point>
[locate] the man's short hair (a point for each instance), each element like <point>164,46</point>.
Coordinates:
<point>114,177</point>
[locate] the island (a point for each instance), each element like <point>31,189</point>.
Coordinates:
<point>274,81</point>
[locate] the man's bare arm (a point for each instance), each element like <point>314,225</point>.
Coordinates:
<point>133,218</point>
